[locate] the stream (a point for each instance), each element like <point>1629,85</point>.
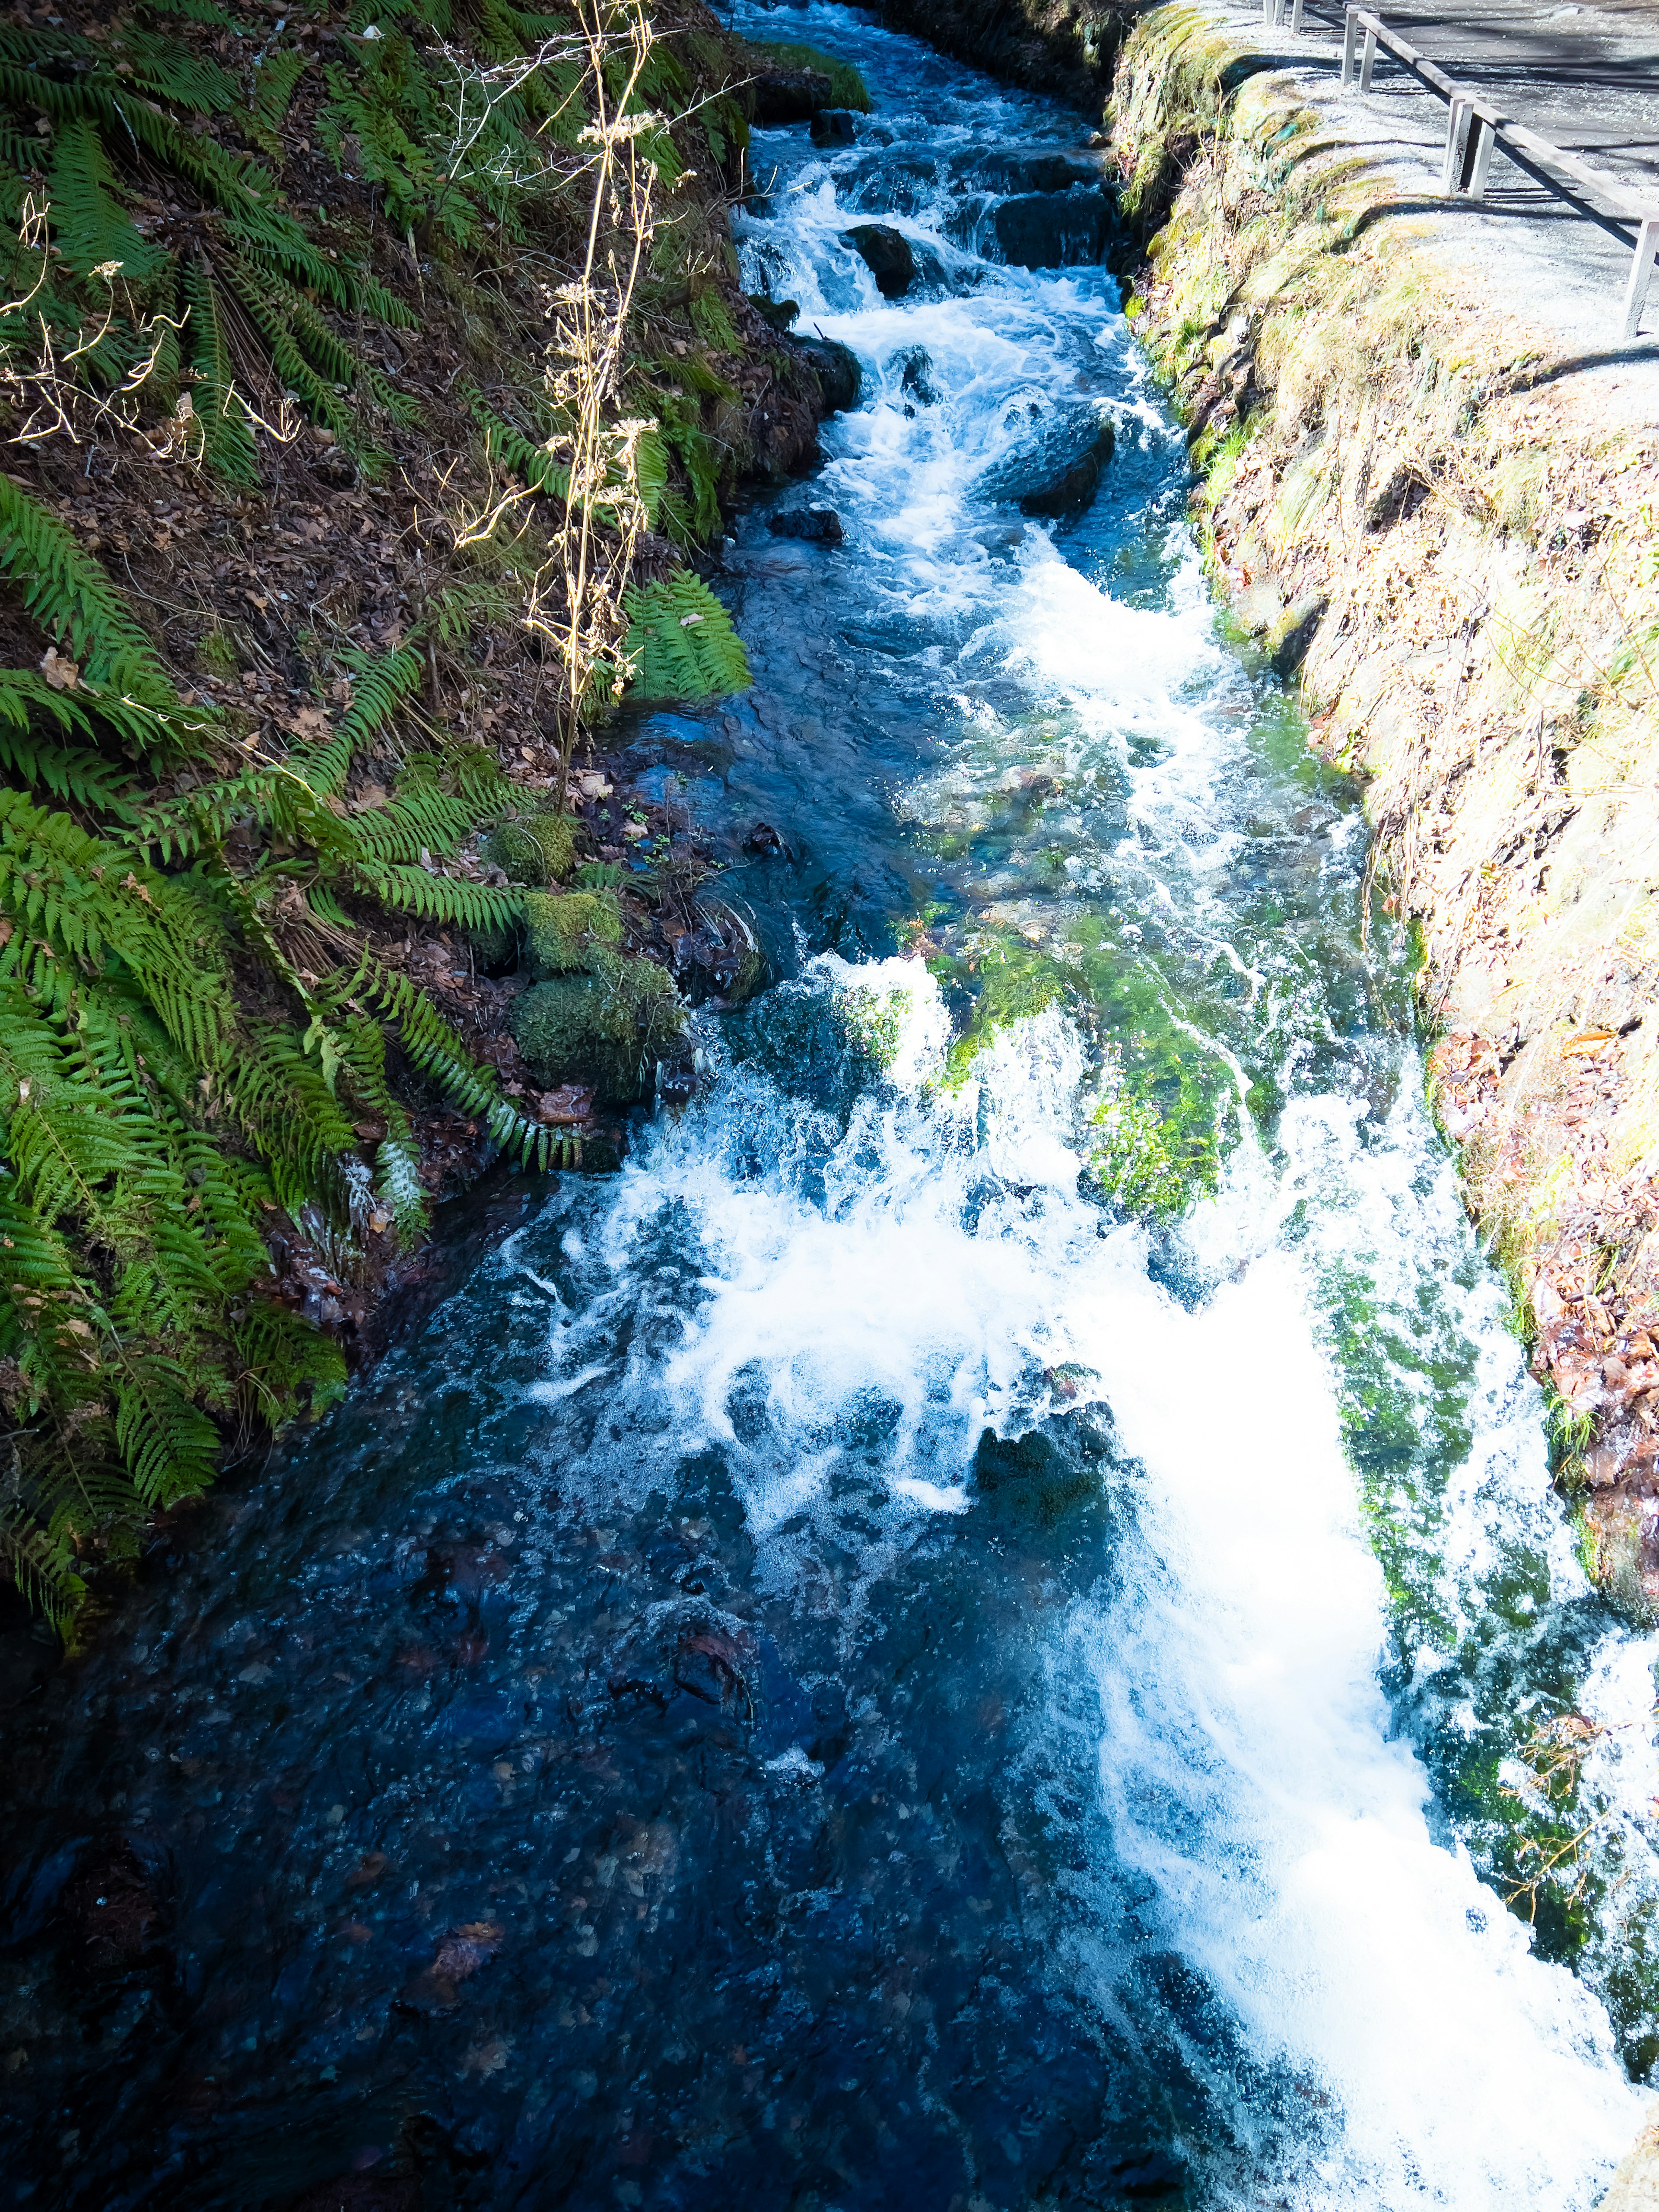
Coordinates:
<point>835,1667</point>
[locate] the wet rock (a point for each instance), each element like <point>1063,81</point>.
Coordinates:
<point>888,254</point>
<point>719,957</point>
<point>835,126</point>
<point>889,182</point>
<point>780,314</point>
<point>460,1956</point>
<point>916,381</point>
<point>764,841</point>
<point>817,526</point>
<point>1056,468</point>
<point>1023,169</point>
<point>710,1666</point>
<point>1052,230</point>
<point>791,95</point>
<point>28,1658</point>
<point>836,369</point>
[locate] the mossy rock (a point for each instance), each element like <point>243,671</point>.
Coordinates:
<point>608,1027</point>
<point>535,848</point>
<point>567,931</point>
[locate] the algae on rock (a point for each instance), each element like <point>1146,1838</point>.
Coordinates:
<point>610,1024</point>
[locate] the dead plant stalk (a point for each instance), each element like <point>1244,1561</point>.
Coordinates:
<point>576,600</point>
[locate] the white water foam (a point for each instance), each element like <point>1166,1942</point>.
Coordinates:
<point>1245,1767</point>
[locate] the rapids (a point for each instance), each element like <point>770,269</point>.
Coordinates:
<point>832,1668</point>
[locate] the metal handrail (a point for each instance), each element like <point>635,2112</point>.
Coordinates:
<point>1468,150</point>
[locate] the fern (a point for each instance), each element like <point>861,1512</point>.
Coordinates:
<point>681,641</point>
<point>279,1095</point>
<point>68,595</point>
<point>74,896</point>
<point>281,1368</point>
<point>276,81</point>
<point>228,437</point>
<point>78,776</point>
<point>435,1049</point>
<point>440,898</point>
<point>91,229</point>
<point>379,688</point>
<point>155,1110</point>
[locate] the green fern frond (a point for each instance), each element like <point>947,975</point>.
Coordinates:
<point>275,80</point>
<point>73,896</point>
<point>379,687</point>
<point>405,889</point>
<point>69,596</point>
<point>228,437</point>
<point>76,774</point>
<point>170,71</point>
<point>170,1447</point>
<point>283,1368</point>
<point>435,1049</point>
<point>278,1094</point>
<point>90,226</point>
<point>681,641</point>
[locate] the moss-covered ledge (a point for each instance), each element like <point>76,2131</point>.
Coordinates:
<point>1456,556</point>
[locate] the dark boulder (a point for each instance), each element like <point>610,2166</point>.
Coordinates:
<point>1056,469</point>
<point>1052,230</point>
<point>779,315</point>
<point>836,369</point>
<point>1027,169</point>
<point>916,381</point>
<point>835,126</point>
<point>791,95</point>
<point>718,955</point>
<point>896,180</point>
<point>888,255</point>
<point>817,526</point>
<point>1287,640</point>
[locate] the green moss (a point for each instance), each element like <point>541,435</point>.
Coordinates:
<point>535,848</point>
<point>873,1023</point>
<point>608,1027</point>
<point>847,86</point>
<point>217,652</point>
<point>1154,1160</point>
<point>567,932</point>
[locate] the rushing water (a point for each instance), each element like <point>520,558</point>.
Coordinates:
<point>832,1669</point>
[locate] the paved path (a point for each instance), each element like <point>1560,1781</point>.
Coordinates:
<point>1585,78</point>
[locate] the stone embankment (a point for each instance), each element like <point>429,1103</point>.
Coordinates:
<point>1414,502</point>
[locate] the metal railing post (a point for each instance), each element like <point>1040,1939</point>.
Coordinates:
<point>1641,270</point>
<point>1485,138</point>
<point>1350,39</point>
<point>1295,20</point>
<point>1367,61</point>
<point>1457,117</point>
